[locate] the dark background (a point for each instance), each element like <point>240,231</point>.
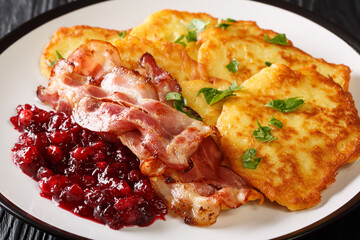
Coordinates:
<point>345,14</point>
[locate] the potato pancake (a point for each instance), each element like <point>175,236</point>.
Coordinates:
<point>244,41</point>
<point>169,25</point>
<point>315,141</point>
<point>240,40</point>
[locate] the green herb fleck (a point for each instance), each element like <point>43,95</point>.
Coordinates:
<point>52,63</point>
<point>195,27</point>
<point>214,95</point>
<point>223,25</point>
<point>263,133</point>
<point>180,104</point>
<point>230,20</point>
<point>279,39</point>
<point>287,105</point>
<point>248,158</point>
<point>122,34</point>
<point>179,40</point>
<point>275,122</point>
<point>268,63</point>
<point>226,24</point>
<point>59,55</point>
<point>233,66</point>
<point>191,36</point>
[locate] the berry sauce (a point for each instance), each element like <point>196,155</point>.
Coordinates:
<point>82,172</point>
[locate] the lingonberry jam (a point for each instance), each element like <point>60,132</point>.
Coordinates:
<point>82,172</point>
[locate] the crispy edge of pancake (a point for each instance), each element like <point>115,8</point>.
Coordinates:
<point>217,44</point>
<point>67,39</point>
<point>276,185</point>
<point>169,25</point>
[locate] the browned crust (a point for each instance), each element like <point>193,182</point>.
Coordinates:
<point>295,191</point>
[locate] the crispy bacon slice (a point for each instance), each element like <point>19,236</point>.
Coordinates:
<point>176,152</point>
<point>67,87</point>
<point>171,143</point>
<point>161,79</point>
<point>130,83</point>
<point>95,59</point>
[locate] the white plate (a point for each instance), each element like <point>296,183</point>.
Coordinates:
<point>20,75</point>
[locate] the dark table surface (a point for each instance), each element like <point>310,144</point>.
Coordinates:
<point>345,14</point>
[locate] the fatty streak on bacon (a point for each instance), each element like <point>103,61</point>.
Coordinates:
<point>95,59</point>
<point>161,79</point>
<point>176,152</point>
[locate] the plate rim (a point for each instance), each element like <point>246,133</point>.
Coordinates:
<point>7,40</point>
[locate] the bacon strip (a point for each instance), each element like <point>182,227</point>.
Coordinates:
<point>161,79</point>
<point>172,145</point>
<point>176,152</point>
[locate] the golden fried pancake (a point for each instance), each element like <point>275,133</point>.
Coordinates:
<point>169,25</point>
<point>66,39</point>
<point>315,141</point>
<point>244,41</point>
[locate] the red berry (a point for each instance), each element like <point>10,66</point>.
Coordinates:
<point>72,193</point>
<point>58,137</point>
<point>120,188</point>
<point>41,141</point>
<point>25,117</point>
<point>135,176</point>
<point>54,184</point>
<point>29,154</point>
<point>101,165</point>
<point>99,145</point>
<point>87,181</point>
<point>55,153</point>
<point>44,172</point>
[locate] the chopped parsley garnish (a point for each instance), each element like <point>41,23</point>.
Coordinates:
<point>275,122</point>
<point>287,105</point>
<point>224,25</point>
<point>213,95</point>
<point>233,66</point>
<point>248,158</point>
<point>191,36</point>
<point>268,63</point>
<point>263,133</point>
<point>122,34</point>
<point>230,20</point>
<point>58,55</point>
<point>179,40</point>
<point>52,63</point>
<point>195,27</point>
<point>180,104</point>
<point>279,39</point>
